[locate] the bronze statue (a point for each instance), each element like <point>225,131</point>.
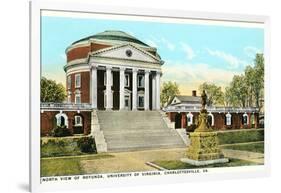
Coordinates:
<point>204,99</point>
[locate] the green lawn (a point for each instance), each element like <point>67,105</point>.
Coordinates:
<point>177,164</point>
<point>252,147</point>
<point>66,165</point>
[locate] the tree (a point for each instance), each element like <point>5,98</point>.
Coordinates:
<point>236,93</point>
<point>52,91</point>
<point>168,90</point>
<point>214,93</point>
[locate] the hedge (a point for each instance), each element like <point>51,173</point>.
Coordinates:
<point>67,146</point>
<point>241,136</point>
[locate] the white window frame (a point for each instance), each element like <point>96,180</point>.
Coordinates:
<point>58,118</point>
<point>228,119</point>
<point>189,115</point>
<point>69,97</point>
<point>142,82</point>
<point>76,118</point>
<point>246,115</point>
<point>141,95</point>
<point>127,77</point>
<point>213,119</point>
<point>77,83</point>
<point>77,95</point>
<point>69,82</point>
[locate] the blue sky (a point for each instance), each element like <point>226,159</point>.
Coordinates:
<point>193,53</point>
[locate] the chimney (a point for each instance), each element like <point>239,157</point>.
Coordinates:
<point>194,93</point>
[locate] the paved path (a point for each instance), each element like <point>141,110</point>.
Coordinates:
<point>131,161</point>
<point>244,155</point>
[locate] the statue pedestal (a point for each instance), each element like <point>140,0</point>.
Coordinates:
<point>204,149</point>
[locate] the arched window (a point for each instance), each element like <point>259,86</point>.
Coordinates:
<point>228,119</point>
<point>189,118</point>
<point>211,119</point>
<point>245,119</point>
<point>62,120</point>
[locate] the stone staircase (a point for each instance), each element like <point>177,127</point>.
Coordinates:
<point>136,130</point>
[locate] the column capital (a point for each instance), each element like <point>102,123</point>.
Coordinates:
<point>134,70</point>
<point>121,68</point>
<point>147,71</point>
<point>93,66</point>
<point>108,67</point>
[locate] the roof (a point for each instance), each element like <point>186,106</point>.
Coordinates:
<point>113,35</point>
<point>185,98</point>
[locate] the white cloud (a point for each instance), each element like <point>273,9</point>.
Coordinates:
<point>231,60</point>
<point>251,51</point>
<point>189,76</point>
<point>190,54</point>
<point>168,44</point>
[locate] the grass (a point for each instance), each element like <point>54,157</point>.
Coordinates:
<point>252,147</point>
<point>240,136</point>
<point>66,165</point>
<point>177,164</point>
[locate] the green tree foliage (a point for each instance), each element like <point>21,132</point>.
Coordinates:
<point>168,90</point>
<point>236,93</point>
<point>247,89</point>
<point>214,92</point>
<point>52,91</point>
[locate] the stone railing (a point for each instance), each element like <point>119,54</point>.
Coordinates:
<point>65,106</point>
<point>210,109</point>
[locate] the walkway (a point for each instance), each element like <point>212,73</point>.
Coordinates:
<point>131,161</point>
<point>244,155</point>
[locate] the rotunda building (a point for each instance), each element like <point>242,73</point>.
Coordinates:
<point>113,70</point>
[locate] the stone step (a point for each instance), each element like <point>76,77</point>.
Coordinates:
<point>136,130</point>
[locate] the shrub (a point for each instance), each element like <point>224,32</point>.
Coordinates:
<point>241,136</point>
<point>87,145</point>
<point>61,131</point>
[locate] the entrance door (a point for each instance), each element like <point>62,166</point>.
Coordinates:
<point>127,102</point>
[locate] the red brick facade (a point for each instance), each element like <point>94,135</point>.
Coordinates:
<point>48,121</point>
<point>84,88</point>
<point>83,51</point>
<point>180,120</point>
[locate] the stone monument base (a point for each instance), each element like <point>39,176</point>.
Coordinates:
<point>204,149</point>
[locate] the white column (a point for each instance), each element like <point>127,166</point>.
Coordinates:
<point>94,86</point>
<point>158,90</point>
<point>108,88</point>
<point>146,90</point>
<point>134,87</point>
<point>121,89</point>
<point>153,92</point>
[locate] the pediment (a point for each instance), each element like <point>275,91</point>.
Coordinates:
<point>127,52</point>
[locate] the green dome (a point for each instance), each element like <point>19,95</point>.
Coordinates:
<point>113,35</point>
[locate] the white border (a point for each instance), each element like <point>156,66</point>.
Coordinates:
<point>215,174</point>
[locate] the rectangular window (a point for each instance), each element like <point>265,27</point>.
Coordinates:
<point>69,98</point>
<point>77,80</point>
<point>69,82</point>
<point>140,81</point>
<point>78,120</point>
<point>77,98</point>
<point>228,120</point>
<point>127,80</point>
<point>141,101</point>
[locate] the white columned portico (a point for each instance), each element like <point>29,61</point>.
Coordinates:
<point>108,88</point>
<point>146,90</point>
<point>94,86</point>
<point>153,92</point>
<point>122,82</point>
<point>134,88</point>
<point>157,90</point>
